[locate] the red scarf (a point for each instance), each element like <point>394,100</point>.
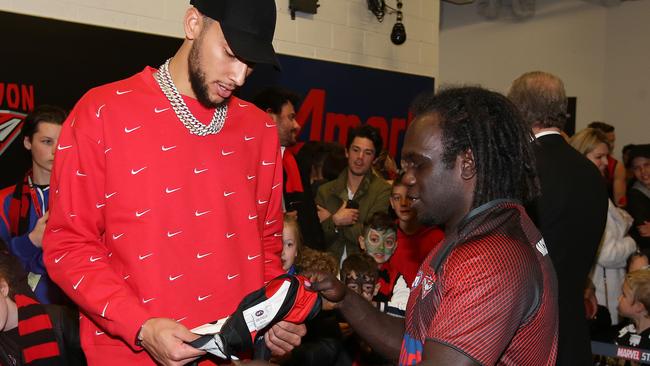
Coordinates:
<point>19,206</point>
<point>37,339</point>
<point>292,183</point>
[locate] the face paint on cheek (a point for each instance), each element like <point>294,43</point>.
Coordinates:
<point>383,246</point>
<point>364,285</point>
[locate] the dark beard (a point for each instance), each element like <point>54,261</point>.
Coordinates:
<point>197,79</point>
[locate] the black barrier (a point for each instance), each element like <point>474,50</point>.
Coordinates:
<point>627,353</point>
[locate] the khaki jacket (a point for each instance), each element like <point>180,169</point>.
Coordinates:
<point>372,195</point>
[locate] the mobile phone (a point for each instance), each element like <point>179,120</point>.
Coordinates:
<point>352,204</point>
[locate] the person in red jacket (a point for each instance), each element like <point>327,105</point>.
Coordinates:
<point>415,240</point>
<point>166,195</point>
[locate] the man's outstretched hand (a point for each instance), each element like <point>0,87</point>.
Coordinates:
<point>330,288</point>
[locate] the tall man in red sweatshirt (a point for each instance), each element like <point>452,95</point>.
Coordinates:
<point>167,192</point>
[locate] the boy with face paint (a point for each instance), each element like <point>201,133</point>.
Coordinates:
<point>380,241</point>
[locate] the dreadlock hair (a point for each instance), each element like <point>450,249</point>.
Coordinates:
<point>541,99</point>
<point>490,126</point>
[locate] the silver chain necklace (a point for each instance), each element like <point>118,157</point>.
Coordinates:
<point>195,127</point>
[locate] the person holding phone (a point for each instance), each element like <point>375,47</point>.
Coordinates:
<point>345,203</point>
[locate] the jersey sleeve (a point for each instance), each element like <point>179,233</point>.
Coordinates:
<point>75,254</point>
<point>485,294</point>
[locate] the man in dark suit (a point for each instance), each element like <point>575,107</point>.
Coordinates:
<point>571,211</point>
<point>297,199</point>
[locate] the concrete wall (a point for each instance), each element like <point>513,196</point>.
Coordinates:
<point>627,76</point>
<point>342,31</point>
<point>602,54</point>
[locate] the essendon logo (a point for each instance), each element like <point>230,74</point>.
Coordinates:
<point>10,125</point>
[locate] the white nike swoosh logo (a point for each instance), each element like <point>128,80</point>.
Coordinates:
<point>169,190</point>
<point>250,258</point>
<point>278,235</point>
<point>265,163</point>
<point>233,276</point>
<point>134,172</point>
<point>197,213</point>
<point>174,278</point>
<point>73,215</point>
<point>171,235</point>
<point>80,174</point>
<point>197,171</point>
<point>243,105</point>
<point>119,92</point>
<point>100,205</point>
<point>226,153</point>
<point>201,298</point>
<point>143,257</point>
<point>104,311</point>
<point>99,110</point>
<point>126,277</point>
<point>268,261</point>
<point>226,194</point>
<point>229,235</point>
<point>246,138</point>
<point>276,186</point>
<point>144,301</point>
<point>56,230</point>
<point>98,332</point>
<point>77,284</point>
<point>167,148</point>
<point>269,125</point>
<point>63,147</point>
<point>93,259</point>
<point>57,260</point>
<point>181,319</point>
<point>249,177</point>
<point>115,237</point>
<point>252,217</point>
<point>107,150</point>
<point>129,130</point>
<point>160,110</point>
<point>72,123</point>
<point>139,214</point>
<point>200,256</point>
<point>260,202</point>
<point>270,222</point>
<point>109,195</point>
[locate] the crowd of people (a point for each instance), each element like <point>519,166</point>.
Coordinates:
<point>160,201</point>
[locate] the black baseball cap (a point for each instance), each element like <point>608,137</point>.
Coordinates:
<point>248,26</point>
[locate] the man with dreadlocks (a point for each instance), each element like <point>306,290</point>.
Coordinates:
<point>571,211</point>
<point>487,293</point>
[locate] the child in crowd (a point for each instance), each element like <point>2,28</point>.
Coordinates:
<point>415,240</point>
<point>322,346</point>
<point>359,273</point>
<point>634,303</point>
<point>380,242</point>
<point>24,207</point>
<point>291,243</point>
<point>32,333</point>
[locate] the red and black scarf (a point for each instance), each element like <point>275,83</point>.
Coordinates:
<point>19,207</point>
<point>37,339</point>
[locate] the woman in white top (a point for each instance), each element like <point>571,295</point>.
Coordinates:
<point>616,246</point>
